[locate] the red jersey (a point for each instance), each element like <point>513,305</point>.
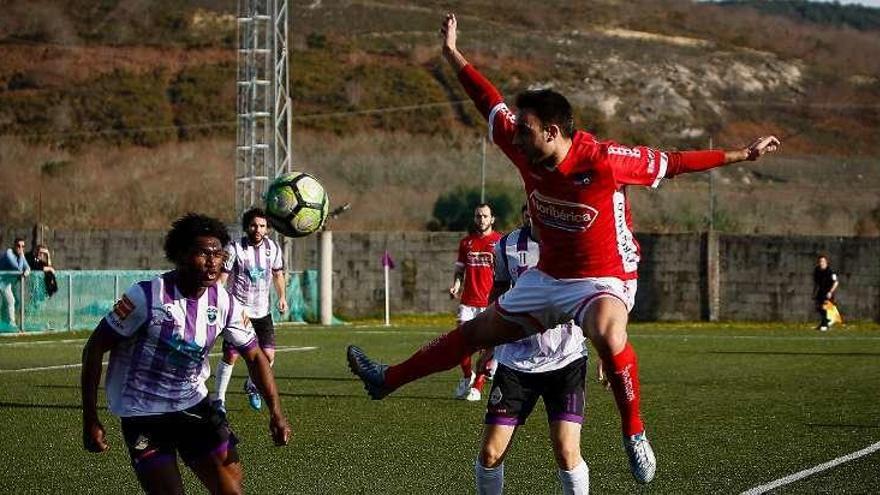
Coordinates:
<point>579,208</point>
<point>476,254</point>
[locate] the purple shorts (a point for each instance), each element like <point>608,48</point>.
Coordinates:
<point>514,394</point>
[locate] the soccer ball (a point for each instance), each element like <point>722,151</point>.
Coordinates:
<point>296,204</point>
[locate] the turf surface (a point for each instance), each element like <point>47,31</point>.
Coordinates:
<point>728,407</point>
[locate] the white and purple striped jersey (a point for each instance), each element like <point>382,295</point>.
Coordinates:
<point>250,271</point>
<point>556,348</point>
<point>162,363</point>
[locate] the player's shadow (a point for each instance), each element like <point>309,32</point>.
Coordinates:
<point>25,405</point>
<point>790,353</point>
<point>318,378</point>
<point>363,396</point>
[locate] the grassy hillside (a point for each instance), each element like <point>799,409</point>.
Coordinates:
<point>824,13</point>
<point>103,103</point>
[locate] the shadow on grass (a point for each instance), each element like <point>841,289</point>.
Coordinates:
<point>350,378</point>
<point>842,425</point>
<point>364,397</point>
<point>788,353</point>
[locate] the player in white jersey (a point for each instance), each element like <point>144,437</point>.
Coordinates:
<point>253,263</point>
<point>159,336</point>
<point>552,365</point>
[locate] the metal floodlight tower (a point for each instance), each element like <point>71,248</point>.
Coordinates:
<point>263,101</point>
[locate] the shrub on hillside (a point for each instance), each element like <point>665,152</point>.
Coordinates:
<point>122,108</point>
<point>203,101</point>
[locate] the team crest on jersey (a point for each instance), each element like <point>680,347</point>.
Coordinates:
<point>141,443</point>
<point>560,214</point>
<point>162,315</point>
<point>496,396</point>
<point>583,179</point>
<point>212,315</point>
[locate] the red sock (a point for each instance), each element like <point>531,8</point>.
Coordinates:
<point>623,374</point>
<point>440,354</point>
<point>466,366</point>
<point>478,383</point>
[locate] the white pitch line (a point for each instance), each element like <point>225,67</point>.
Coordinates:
<point>758,490</point>
<point>40,342</point>
<point>45,368</point>
<point>77,365</point>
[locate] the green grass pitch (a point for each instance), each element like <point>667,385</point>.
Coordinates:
<point>728,407</point>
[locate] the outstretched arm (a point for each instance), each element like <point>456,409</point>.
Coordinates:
<point>698,161</point>
<point>449,33</point>
<point>644,166</point>
<point>485,96</point>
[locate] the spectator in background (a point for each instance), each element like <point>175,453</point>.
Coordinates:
<point>13,261</point>
<point>40,259</point>
<point>824,284</point>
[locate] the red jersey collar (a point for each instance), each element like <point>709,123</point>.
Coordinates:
<point>571,159</point>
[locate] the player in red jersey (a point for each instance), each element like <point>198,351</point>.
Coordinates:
<point>473,280</point>
<point>576,187</point>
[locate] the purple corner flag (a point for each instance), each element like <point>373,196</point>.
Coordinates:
<point>387,261</point>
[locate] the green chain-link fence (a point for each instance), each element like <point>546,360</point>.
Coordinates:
<point>84,297</point>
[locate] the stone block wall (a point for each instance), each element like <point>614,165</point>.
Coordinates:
<point>762,278</point>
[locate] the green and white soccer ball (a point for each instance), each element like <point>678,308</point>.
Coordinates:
<point>296,204</point>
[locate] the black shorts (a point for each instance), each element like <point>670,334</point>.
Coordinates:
<point>514,394</point>
<point>264,328</point>
<point>194,433</point>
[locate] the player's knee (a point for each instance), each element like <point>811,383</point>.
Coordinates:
<point>229,357</point>
<point>229,480</point>
<point>608,337</point>
<point>491,456</point>
<point>568,455</point>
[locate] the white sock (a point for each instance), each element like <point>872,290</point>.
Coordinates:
<point>490,481</point>
<point>221,379</point>
<point>576,481</point>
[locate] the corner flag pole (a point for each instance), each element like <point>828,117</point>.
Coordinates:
<point>387,264</point>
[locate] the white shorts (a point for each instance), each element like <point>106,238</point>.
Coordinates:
<point>539,301</point>
<point>468,313</point>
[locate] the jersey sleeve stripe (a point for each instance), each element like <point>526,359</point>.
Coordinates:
<point>497,108</point>
<point>504,255</point>
<point>661,173</point>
